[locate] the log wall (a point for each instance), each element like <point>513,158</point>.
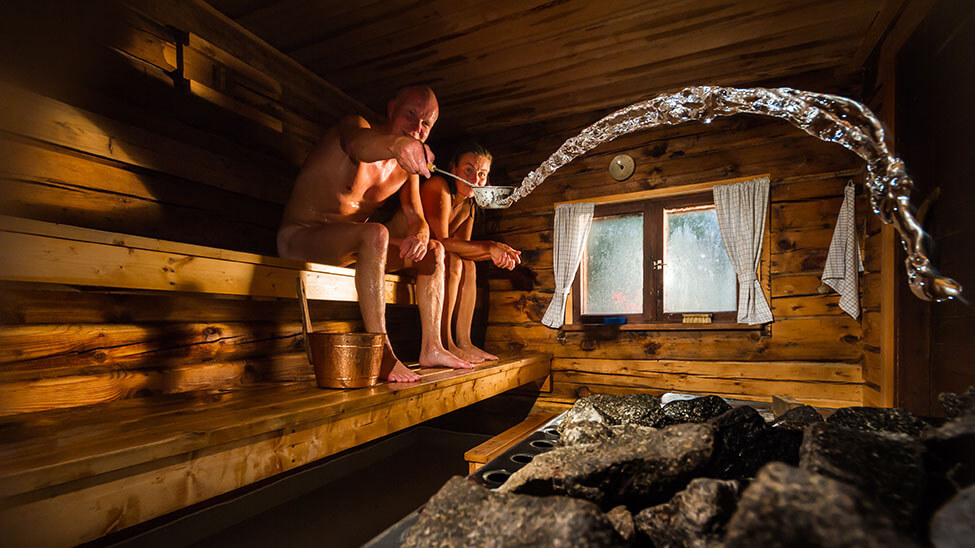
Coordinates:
<point>165,119</point>
<point>813,352</point>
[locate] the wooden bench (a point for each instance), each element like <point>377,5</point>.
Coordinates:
<point>37,251</point>
<point>72,475</point>
<point>487,451</point>
<point>94,439</point>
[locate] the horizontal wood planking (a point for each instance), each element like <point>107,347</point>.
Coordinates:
<point>264,441</point>
<point>804,379</point>
<point>143,263</point>
<point>38,181</point>
<point>828,339</point>
<point>48,120</point>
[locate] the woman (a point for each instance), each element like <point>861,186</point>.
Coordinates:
<point>448,206</point>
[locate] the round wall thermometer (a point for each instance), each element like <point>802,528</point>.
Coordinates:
<point>621,167</point>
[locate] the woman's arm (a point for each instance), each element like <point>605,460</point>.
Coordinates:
<point>436,207</point>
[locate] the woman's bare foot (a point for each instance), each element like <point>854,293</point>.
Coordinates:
<point>440,357</point>
<point>466,354</point>
<point>481,355</point>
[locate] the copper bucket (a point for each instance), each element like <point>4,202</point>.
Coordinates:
<point>341,360</point>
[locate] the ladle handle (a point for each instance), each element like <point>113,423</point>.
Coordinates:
<point>306,327</point>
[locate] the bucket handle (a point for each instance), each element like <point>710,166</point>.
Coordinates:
<point>306,327</point>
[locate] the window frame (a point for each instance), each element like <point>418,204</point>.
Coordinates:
<point>652,203</point>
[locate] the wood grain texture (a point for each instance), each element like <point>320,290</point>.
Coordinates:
<point>189,454</point>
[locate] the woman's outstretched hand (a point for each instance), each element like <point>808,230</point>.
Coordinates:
<point>505,256</point>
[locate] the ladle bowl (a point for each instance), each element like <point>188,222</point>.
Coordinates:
<point>490,197</point>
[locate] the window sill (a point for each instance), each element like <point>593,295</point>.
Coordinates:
<point>721,326</point>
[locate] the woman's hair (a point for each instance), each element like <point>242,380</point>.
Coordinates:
<point>462,148</point>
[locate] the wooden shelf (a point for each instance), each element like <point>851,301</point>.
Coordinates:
<point>724,326</point>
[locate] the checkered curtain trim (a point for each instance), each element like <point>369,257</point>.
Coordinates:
<point>844,262</point>
<point>741,211</point>
<point>572,223</point>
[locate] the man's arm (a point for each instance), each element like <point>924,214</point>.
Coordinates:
<point>364,143</point>
<point>414,245</point>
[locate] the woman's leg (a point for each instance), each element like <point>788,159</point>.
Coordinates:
<point>465,312</point>
<point>455,268</point>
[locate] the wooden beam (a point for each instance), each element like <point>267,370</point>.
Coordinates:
<point>35,251</point>
<point>493,447</point>
<point>160,463</point>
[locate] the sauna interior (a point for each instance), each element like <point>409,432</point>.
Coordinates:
<point>154,386</point>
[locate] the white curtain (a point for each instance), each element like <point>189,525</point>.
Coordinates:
<point>572,222</point>
<point>741,211</point>
<point>843,262</point>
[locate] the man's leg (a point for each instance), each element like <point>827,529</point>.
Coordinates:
<point>465,314</point>
<point>340,244</point>
<point>430,295</point>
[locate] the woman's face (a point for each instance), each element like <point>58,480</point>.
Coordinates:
<point>472,167</point>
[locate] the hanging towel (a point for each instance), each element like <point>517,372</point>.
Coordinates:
<point>843,262</point>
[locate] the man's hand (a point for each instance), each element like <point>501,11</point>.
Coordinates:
<point>414,247</point>
<point>413,156</point>
<point>505,256</point>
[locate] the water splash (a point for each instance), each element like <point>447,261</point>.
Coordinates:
<point>826,117</point>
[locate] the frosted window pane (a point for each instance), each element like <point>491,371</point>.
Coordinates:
<point>614,266</point>
<point>697,274</point>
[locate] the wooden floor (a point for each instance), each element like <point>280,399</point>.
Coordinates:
<point>72,475</point>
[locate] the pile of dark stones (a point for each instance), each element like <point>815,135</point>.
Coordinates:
<point>701,473</point>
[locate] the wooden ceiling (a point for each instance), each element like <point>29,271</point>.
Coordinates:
<point>501,64</point>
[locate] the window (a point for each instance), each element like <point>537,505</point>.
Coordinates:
<point>655,261</point>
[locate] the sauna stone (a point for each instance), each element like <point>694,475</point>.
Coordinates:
<point>696,410</point>
<point>885,466</point>
<point>950,458</point>
<point>797,418</point>
<point>465,514</point>
<point>584,432</point>
<point>641,409</point>
<point>953,525</point>
<point>789,506</point>
<point>957,405</point>
<point>744,443</point>
<point>622,521</point>
<point>639,467</point>
<point>878,419</point>
<point>695,517</point>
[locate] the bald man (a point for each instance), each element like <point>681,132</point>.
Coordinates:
<point>345,178</point>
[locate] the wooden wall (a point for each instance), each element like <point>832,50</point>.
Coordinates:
<point>158,118</point>
<point>814,352</point>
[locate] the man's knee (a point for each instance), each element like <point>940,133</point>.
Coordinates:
<point>469,268</point>
<point>375,236</point>
<point>434,259</point>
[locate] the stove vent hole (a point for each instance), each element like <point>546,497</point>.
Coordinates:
<point>522,458</point>
<point>497,476</point>
<point>541,444</point>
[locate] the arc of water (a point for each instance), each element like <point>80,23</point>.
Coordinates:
<point>827,117</point>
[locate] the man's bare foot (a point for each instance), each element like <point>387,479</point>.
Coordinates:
<point>401,373</point>
<point>465,354</point>
<point>481,354</point>
<point>440,357</point>
<point>393,370</point>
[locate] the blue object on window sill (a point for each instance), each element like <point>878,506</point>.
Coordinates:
<point>614,320</point>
